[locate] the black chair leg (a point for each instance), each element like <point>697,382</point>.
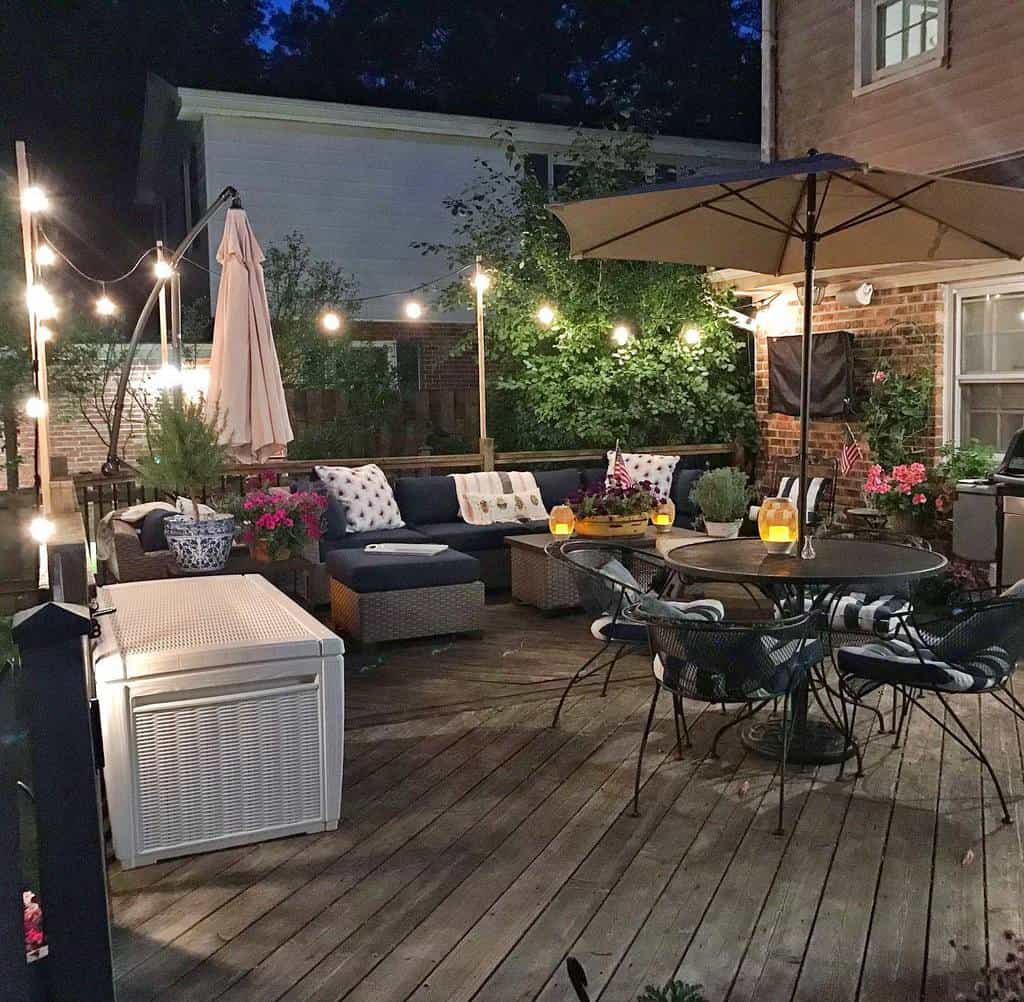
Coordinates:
<point>677,716</point>
<point>904,720</point>
<point>785,755</point>
<point>744,713</point>
<point>611,665</point>
<point>580,672</point>
<point>643,748</point>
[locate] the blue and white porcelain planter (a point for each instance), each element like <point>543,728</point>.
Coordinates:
<point>200,544</point>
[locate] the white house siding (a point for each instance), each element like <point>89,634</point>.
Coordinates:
<point>359,197</point>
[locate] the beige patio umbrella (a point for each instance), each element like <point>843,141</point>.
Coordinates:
<point>246,397</point>
<point>818,211</point>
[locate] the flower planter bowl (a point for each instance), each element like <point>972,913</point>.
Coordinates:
<point>200,545</point>
<point>612,526</point>
<point>261,553</point>
<point>723,530</point>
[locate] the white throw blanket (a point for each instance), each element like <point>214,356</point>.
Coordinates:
<point>492,482</point>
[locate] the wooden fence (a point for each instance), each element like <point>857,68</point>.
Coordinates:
<point>97,495</point>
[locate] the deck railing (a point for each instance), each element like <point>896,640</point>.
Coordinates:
<point>98,495</point>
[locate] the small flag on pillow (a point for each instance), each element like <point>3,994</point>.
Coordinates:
<point>850,455</point>
<point>620,475</point>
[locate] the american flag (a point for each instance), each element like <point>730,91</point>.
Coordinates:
<point>620,475</point>
<point>850,455</point>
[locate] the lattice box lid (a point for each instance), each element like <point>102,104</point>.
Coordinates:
<point>186,623</point>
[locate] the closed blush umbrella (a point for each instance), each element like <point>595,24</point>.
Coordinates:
<point>818,211</point>
<point>246,396</point>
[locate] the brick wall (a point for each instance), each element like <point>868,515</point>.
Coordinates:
<point>444,366</point>
<point>904,324</point>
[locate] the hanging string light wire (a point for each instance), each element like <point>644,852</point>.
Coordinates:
<point>92,278</point>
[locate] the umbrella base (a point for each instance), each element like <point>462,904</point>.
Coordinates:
<point>816,742</point>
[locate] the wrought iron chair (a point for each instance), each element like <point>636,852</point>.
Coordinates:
<point>610,578</point>
<point>857,614</point>
<point>727,662</point>
<point>972,650</point>
<point>783,480</point>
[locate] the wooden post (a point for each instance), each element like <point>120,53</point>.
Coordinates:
<point>38,347</point>
<point>163,308</point>
<point>486,444</point>
<point>72,864</point>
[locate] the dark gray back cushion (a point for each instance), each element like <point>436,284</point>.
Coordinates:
<point>556,485</point>
<point>427,500</point>
<point>594,475</point>
<point>151,534</point>
<point>334,523</point>
<point>682,484</point>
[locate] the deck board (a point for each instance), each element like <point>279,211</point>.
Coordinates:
<point>479,847</point>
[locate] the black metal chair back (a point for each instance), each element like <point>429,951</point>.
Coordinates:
<point>728,661</point>
<point>601,591</point>
<point>968,632</point>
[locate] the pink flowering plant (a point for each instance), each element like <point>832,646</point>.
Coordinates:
<point>280,522</point>
<point>33,922</point>
<point>904,488</point>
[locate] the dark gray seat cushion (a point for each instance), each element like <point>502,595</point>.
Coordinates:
<point>427,500</point>
<point>556,485</point>
<point>371,572</point>
<point>357,540</point>
<point>470,538</point>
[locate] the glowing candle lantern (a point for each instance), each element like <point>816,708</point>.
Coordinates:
<point>777,524</point>
<point>663,516</point>
<point>561,521</point>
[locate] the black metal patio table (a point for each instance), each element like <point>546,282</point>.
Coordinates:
<point>838,564</point>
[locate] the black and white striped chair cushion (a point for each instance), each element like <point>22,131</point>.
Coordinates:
<point>895,662</point>
<point>718,687</point>
<point>632,631</point>
<point>789,487</point>
<point>858,613</point>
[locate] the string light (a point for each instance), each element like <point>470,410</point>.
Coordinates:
<point>330,322</point>
<point>195,382</point>
<point>34,199</point>
<point>691,336</point>
<point>546,315</point>
<point>105,306</point>
<point>167,377</point>
<point>40,529</point>
<point>45,256</point>
<point>44,334</point>
<point>41,303</point>
<point>35,408</point>
<point>413,310</point>
<point>621,335</point>
<point>163,270</point>
<point>481,281</point>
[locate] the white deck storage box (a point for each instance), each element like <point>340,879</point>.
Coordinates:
<point>222,707</point>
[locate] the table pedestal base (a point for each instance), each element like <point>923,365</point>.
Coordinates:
<point>812,742</point>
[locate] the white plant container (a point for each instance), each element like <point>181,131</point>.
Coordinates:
<point>222,708</point>
<point>723,530</point>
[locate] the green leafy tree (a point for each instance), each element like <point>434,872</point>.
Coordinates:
<point>567,384</point>
<point>15,356</point>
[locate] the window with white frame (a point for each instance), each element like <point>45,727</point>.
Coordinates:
<point>988,365</point>
<point>898,38</point>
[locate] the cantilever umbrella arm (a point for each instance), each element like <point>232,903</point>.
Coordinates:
<point>113,463</point>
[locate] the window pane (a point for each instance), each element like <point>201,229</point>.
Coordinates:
<point>992,412</point>
<point>992,334</point>
<point>1009,423</point>
<point>982,426</point>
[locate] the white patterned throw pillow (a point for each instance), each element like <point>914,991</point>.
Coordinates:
<point>366,494</point>
<point>646,466</point>
<point>517,506</point>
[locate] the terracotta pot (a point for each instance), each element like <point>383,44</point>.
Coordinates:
<point>904,522</point>
<point>612,526</point>
<point>260,552</point>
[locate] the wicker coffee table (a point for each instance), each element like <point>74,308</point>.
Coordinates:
<point>546,584</point>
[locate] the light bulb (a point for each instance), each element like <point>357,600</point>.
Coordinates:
<point>546,315</point>
<point>163,270</point>
<point>481,281</point>
<point>621,335</point>
<point>195,382</point>
<point>105,306</point>
<point>40,529</point>
<point>35,408</point>
<point>691,336</point>
<point>34,199</point>
<point>44,334</point>
<point>413,310</point>
<point>330,321</point>
<point>41,303</point>
<point>45,256</point>
<point>167,377</point>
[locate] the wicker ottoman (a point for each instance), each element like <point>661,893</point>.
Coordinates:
<point>385,596</point>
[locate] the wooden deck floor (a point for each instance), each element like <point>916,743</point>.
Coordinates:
<point>479,847</point>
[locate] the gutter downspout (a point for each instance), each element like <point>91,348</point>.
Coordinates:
<point>769,76</point>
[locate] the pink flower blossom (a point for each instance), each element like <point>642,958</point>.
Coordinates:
<point>919,499</point>
<point>878,376</point>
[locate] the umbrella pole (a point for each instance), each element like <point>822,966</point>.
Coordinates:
<point>810,238</point>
